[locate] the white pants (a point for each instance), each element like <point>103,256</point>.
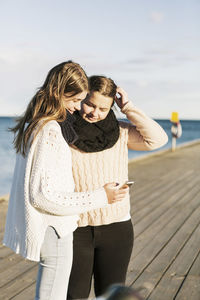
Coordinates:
<point>55,266</point>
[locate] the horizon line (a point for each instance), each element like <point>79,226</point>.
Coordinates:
<point>155,118</point>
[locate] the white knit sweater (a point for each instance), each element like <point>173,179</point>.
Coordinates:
<point>42,194</point>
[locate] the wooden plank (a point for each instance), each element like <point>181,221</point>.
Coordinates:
<point>182,241</point>
<point>143,239</point>
<point>157,206</point>
<point>158,182</point>
<point>19,284</point>
<point>141,190</point>
<point>27,294</point>
<point>195,270</point>
<point>160,211</point>
<point>142,200</point>
<point>190,290</point>
<point>147,255</point>
<point>191,285</point>
<point>14,271</point>
<point>157,195</point>
<point>175,275</point>
<point>4,252</point>
<point>9,260</point>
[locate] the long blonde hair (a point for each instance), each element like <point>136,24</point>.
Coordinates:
<point>46,104</point>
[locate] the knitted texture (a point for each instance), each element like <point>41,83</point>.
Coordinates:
<point>42,194</point>
<point>97,169</point>
<point>111,165</point>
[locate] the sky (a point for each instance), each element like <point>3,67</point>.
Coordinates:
<point>151,48</point>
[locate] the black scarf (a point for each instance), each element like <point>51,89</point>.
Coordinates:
<point>67,129</point>
<point>95,137</point>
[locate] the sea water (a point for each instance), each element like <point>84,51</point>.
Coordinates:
<point>191,131</point>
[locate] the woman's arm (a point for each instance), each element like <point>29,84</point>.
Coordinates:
<point>144,133</point>
<point>48,179</point>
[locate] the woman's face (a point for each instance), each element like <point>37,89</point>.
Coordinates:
<point>96,107</point>
<point>73,103</point>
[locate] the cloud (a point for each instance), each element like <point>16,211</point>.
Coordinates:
<point>141,60</point>
<point>143,83</point>
<point>160,59</point>
<point>23,70</point>
<point>158,98</point>
<point>157,17</point>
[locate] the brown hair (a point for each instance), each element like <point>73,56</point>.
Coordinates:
<point>104,85</point>
<point>67,77</point>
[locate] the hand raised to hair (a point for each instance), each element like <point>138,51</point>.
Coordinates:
<point>122,99</point>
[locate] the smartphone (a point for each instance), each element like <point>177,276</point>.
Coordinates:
<point>129,183</point>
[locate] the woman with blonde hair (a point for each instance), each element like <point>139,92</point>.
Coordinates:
<point>104,239</point>
<point>43,208</point>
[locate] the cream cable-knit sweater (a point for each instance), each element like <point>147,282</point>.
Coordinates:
<point>42,194</point>
<point>111,165</point>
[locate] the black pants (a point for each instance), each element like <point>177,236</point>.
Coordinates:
<point>103,251</point>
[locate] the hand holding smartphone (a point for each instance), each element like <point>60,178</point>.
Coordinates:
<point>128,183</point>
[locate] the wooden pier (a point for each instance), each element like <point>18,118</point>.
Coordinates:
<point>165,211</point>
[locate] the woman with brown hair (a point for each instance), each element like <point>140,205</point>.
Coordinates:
<point>43,208</point>
<point>104,239</point>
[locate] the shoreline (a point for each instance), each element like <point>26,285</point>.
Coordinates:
<point>5,197</point>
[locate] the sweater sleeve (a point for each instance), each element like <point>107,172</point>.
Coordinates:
<point>49,174</point>
<point>144,133</point>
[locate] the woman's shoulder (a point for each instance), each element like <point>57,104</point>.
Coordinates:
<point>51,125</point>
<point>46,130</point>
<point>48,127</point>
